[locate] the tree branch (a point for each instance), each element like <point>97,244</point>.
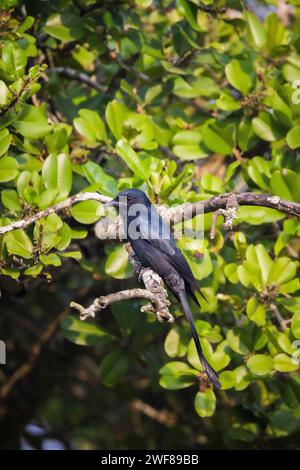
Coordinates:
<point>66,204</point>
<point>33,356</point>
<point>211,9</point>
<point>77,76</point>
<point>154,292</point>
<point>242,199</point>
<point>229,202</point>
<point>226,204</point>
<point>101,303</point>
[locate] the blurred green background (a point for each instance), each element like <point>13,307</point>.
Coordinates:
<point>186,100</point>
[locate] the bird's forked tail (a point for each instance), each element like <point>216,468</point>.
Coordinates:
<point>210,372</point>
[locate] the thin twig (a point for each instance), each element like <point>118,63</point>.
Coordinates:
<point>154,292</point>
<point>165,417</point>
<point>17,96</point>
<point>33,356</point>
<point>103,302</point>
<point>212,10</point>
<point>77,76</point>
<point>282,322</point>
<point>214,224</point>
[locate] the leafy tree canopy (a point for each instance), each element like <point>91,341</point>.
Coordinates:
<point>185,99</point>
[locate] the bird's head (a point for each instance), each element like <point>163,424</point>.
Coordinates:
<point>129,197</point>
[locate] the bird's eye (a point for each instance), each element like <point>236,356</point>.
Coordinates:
<point>129,198</point>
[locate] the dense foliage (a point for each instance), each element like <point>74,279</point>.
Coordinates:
<point>184,99</point>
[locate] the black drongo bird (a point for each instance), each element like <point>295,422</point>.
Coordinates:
<point>155,247</point>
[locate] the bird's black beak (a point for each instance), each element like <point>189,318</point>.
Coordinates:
<point>112,203</point>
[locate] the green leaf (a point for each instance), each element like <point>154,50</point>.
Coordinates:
<point>258,215</point>
<point>18,243</point>
<point>285,343</point>
<point>216,142</point>
<point>200,86</point>
<point>236,341</point>
<point>266,127</point>
<point>240,75</point>
<point>282,423</point>
<point>126,316</point>
<point>296,325</point>
<point>259,171</point>
<point>246,137</point>
<point>132,159</point>
<point>140,131</point>
<point>96,175</point>
<point>57,174</point>
<point>71,254</point>
<point>189,10</point>
<point>8,169</point>
<point>230,271</point>
<point>256,312</point>
<point>187,145</point>
<point>32,123</point>
<point>283,270</point>
<point>85,333</point>
<point>178,181</point>
<point>277,34</point>
<point>47,198</point>
<point>260,364</point>
<point>219,360</point>
<point>243,276</point>
<point>281,109</point>
<point>201,266</point>
<point>285,184</point>
<point>27,23</point>
<point>242,378</point>
<point>28,162</point>
<point>264,261</point>
<point>177,375</point>
<point>176,342</point>
<point>79,234</point>
<point>64,234</point>
<point>205,403</point>
<point>290,286</point>
<point>57,141</point>
<point>10,200</point>
<point>227,103</point>
<point>257,30</point>
<point>211,184</point>
<point>31,196</point>
<point>117,265</point>
<point>51,259</point>
<point>14,273</point>
<point>247,432</point>
<point>113,368</point>
<point>293,137</point>
<point>227,379</point>
<point>4,93</point>
<point>193,356</point>
<point>90,125</point>
<point>183,39</point>
<point>52,223</point>
<point>14,60</point>
<point>116,114</point>
<point>87,212</point>
<point>284,363</point>
<point>65,26</point>
<point>5,140</point>
<point>34,270</point>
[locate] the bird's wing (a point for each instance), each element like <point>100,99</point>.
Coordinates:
<point>158,234</point>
